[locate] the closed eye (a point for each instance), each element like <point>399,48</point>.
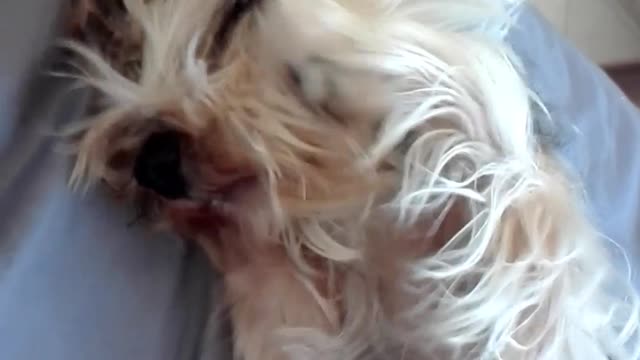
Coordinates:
<point>314,89</point>
<point>232,15</point>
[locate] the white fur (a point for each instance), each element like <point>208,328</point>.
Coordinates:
<point>522,276</point>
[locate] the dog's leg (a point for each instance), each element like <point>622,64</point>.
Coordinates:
<point>267,299</point>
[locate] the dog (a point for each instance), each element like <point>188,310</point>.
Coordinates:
<point>363,173</point>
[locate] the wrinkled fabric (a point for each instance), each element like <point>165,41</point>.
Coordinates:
<point>78,282</point>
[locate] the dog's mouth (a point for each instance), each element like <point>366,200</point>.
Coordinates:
<point>162,167</point>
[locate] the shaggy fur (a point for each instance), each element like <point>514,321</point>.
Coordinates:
<point>364,173</point>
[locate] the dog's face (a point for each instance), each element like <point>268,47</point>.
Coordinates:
<point>229,111</point>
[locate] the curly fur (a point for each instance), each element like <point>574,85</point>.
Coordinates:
<point>402,206</point>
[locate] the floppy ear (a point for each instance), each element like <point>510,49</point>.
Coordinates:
<point>567,295</point>
<point>527,279</point>
<point>106,26</point>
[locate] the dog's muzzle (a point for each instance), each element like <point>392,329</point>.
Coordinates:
<point>158,166</point>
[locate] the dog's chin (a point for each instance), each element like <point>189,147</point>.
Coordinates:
<point>244,211</point>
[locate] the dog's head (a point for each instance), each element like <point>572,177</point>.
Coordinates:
<point>214,110</point>
<point>272,111</point>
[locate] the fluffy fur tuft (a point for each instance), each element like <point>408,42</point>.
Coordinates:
<point>403,207</point>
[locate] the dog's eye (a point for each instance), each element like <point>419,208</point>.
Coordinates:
<point>293,75</point>
<point>295,80</point>
<point>310,84</point>
<point>315,90</point>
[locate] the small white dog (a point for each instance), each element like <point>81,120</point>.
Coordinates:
<point>364,173</point>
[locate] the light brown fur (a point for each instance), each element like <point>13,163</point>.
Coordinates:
<point>364,175</point>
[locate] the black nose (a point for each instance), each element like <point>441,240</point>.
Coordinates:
<point>158,165</point>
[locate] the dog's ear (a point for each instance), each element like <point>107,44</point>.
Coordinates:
<point>94,20</point>
<point>106,26</point>
<point>534,266</point>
